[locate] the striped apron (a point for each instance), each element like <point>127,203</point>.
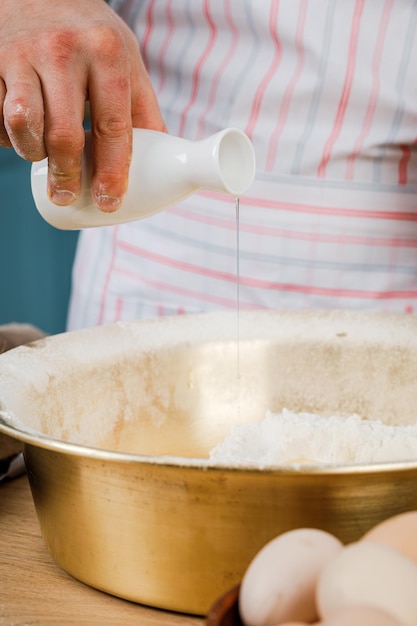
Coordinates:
<point>327,91</point>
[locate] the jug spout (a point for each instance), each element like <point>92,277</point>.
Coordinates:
<point>231,168</point>
<point>164,170</point>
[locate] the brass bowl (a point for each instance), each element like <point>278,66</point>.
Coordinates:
<point>118,421</point>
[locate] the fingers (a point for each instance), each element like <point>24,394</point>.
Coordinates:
<point>145,107</point>
<point>4,137</point>
<point>23,114</point>
<point>121,96</point>
<point>64,139</point>
<point>110,105</point>
<point>43,117</point>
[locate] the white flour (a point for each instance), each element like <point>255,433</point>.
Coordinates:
<point>300,438</point>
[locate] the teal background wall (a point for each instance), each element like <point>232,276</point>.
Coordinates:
<point>35,258</point>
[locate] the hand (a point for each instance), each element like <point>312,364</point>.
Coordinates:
<point>13,335</point>
<point>54,57</point>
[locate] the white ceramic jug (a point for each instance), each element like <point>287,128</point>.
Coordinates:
<point>164,170</point>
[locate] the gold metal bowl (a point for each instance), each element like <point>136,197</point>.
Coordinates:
<point>118,421</point>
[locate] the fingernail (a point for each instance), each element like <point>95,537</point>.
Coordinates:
<point>108,204</point>
<point>63,197</point>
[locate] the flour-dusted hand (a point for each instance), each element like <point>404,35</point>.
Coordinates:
<point>11,336</point>
<point>14,334</point>
<point>54,57</point>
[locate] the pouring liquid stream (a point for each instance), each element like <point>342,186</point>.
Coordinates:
<point>238,374</point>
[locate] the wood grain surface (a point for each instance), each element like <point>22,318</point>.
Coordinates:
<point>34,590</point>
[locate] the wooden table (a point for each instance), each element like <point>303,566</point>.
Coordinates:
<point>33,590</point>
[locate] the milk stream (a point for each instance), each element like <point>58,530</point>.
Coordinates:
<point>238,375</point>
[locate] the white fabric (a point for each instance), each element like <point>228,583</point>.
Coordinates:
<point>327,92</point>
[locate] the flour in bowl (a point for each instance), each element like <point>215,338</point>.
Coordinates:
<point>304,438</point>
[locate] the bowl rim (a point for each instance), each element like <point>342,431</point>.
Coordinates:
<point>258,324</point>
<point>37,439</point>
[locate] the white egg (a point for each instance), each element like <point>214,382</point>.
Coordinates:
<point>292,624</point>
<point>360,616</point>
<point>279,584</point>
<point>371,574</point>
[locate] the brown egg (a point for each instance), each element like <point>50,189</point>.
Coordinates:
<point>399,532</point>
<point>369,573</point>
